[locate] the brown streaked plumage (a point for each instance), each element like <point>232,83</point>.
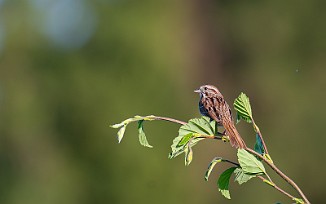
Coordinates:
<point>213,105</point>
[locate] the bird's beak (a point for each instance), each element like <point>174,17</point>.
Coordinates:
<point>197,91</point>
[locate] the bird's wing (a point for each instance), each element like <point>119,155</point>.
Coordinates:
<point>212,107</point>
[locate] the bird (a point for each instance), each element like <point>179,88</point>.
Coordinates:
<point>213,105</point>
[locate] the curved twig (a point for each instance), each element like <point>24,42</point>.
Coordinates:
<point>277,170</point>
<point>280,173</point>
<point>278,188</point>
<point>260,135</point>
<point>169,119</point>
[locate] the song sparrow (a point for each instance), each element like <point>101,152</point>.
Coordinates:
<point>213,105</point>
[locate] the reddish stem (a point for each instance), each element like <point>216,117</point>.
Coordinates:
<point>277,170</point>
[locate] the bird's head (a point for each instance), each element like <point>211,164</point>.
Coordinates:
<point>205,90</point>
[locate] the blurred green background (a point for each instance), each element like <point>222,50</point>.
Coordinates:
<point>70,68</point>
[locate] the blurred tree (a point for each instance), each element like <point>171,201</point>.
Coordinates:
<point>125,58</point>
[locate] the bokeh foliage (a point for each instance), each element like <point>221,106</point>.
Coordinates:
<point>147,57</point>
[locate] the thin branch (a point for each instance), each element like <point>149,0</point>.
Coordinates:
<point>260,135</point>
<point>277,170</point>
<point>269,178</point>
<point>231,162</point>
<point>210,137</point>
<point>169,119</point>
<point>264,180</point>
<point>271,183</point>
<point>278,188</point>
<point>281,174</point>
<point>182,123</point>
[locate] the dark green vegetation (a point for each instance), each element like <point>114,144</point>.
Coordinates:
<point>147,57</point>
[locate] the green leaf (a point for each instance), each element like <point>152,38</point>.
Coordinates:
<point>121,132</point>
<point>142,137</point>
<point>269,182</point>
<point>124,124</point>
<point>201,126</point>
<point>298,200</point>
<point>211,166</point>
<point>185,139</point>
<point>223,182</point>
<point>259,148</point>
<point>117,125</point>
<point>268,157</point>
<point>196,126</point>
<point>249,163</point>
<point>241,177</point>
<point>243,108</point>
<point>188,155</point>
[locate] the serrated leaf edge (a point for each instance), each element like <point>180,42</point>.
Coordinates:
<point>247,155</point>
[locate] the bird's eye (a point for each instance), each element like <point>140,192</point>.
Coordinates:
<point>205,88</point>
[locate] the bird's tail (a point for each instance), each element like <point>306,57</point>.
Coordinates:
<point>235,138</point>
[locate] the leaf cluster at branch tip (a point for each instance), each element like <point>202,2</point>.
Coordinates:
<point>189,136</point>
<point>140,119</point>
<point>197,129</point>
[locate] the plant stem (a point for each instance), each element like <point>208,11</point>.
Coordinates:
<point>278,188</point>
<point>231,162</point>
<point>260,135</point>
<point>271,183</point>
<point>210,137</point>
<point>169,119</point>
<point>280,173</point>
<point>277,170</point>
